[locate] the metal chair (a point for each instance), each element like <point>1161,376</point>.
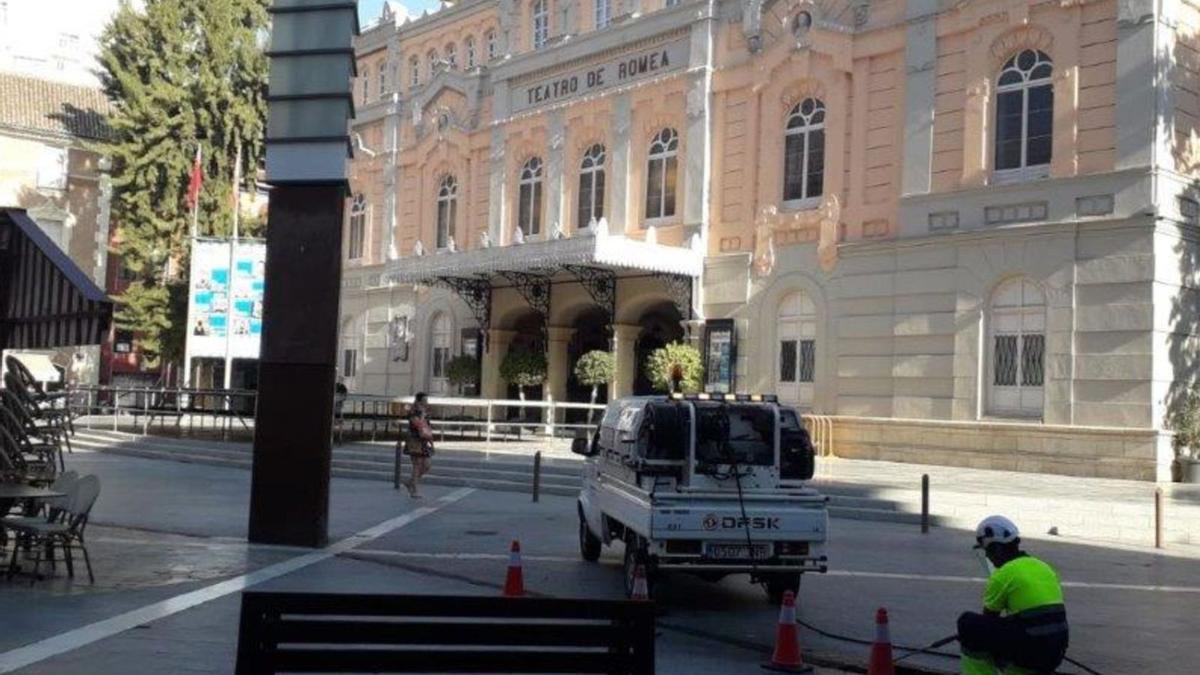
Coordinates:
<point>44,443</point>
<point>46,420</point>
<point>41,538</point>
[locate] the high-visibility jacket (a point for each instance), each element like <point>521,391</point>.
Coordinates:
<point>1028,590</point>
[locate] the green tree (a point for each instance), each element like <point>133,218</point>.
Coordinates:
<point>524,368</point>
<point>595,368</point>
<point>676,366</point>
<point>181,74</point>
<point>462,370</point>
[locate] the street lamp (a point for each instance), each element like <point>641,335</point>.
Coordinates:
<point>308,146</point>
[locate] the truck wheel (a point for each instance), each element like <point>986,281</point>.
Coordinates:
<point>589,544</point>
<point>778,584</point>
<point>634,556</point>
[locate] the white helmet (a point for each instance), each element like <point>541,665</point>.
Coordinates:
<point>996,530</point>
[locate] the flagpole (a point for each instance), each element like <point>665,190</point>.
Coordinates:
<point>237,180</point>
<point>194,197</point>
<point>196,201</point>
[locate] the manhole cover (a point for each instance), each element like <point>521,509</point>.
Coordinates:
<point>482,533</point>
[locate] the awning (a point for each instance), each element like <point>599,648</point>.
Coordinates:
<point>39,365</point>
<point>46,301</point>
<point>616,253</point>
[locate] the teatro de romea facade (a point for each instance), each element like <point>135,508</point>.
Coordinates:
<point>963,229</point>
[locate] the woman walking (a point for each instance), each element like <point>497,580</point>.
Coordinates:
<point>419,443</point>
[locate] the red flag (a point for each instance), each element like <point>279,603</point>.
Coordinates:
<point>195,182</point>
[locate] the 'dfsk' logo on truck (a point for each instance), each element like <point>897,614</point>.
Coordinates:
<point>712,522</point>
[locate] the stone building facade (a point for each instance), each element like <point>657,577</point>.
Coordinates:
<point>964,229</point>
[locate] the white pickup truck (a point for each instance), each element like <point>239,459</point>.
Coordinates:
<point>710,485</point>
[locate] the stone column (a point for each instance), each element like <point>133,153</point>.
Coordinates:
<point>490,383</point>
<point>623,342</point>
<point>556,363</point>
<point>554,175</point>
<point>497,204</point>
<point>391,178</point>
<point>920,58</point>
<point>1139,131</point>
<point>619,187</point>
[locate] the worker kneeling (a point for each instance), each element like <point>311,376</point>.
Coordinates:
<point>1023,627</point>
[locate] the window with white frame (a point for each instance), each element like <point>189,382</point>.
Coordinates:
<point>451,55</point>
<point>796,355</point>
<point>804,152</point>
<point>603,13</point>
<point>469,48</point>
<point>349,362</point>
<point>447,207</point>
<point>1017,326</point>
<point>439,357</point>
<point>529,197</point>
<point>431,61</point>
<point>492,47</point>
<point>541,23</point>
<point>366,84</point>
<point>1024,112</point>
<point>358,227</point>
<point>661,170</point>
<point>591,186</point>
<point>414,72</point>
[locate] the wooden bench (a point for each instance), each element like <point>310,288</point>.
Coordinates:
<point>329,633</point>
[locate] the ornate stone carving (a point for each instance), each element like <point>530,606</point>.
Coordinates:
<point>1013,41</point>
<point>822,222</point>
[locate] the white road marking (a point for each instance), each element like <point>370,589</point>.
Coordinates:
<point>900,576</point>
<point>106,628</point>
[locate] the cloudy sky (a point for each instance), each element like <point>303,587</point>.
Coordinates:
<point>368,10</point>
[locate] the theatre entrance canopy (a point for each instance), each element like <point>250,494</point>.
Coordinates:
<point>46,301</point>
<point>597,261</point>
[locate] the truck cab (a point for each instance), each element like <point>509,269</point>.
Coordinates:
<point>710,485</point>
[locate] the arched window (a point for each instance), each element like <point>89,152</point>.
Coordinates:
<point>796,365</point>
<point>603,13</point>
<point>439,357</point>
<point>541,23</point>
<point>1017,324</point>
<point>469,48</point>
<point>447,211</point>
<point>661,171</point>
<point>414,71</point>
<point>1024,111</point>
<point>366,84</point>
<point>431,61</point>
<point>804,152</point>
<point>491,44</point>
<point>529,197</point>
<point>451,55</point>
<point>591,186</point>
<point>358,227</point>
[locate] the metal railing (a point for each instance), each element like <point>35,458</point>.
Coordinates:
<point>487,417</point>
<point>820,431</point>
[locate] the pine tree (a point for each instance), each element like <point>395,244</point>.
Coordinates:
<point>180,73</point>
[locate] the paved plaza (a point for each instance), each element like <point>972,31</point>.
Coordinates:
<point>168,542</point>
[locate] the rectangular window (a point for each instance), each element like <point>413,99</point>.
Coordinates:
<point>787,360</point>
<point>1004,361</point>
<point>816,164</point>
<point>793,167</point>
<point>1033,349</point>
<point>720,355</point>
<point>806,372</point>
<point>123,341</point>
<point>441,357</point>
<point>1009,117</point>
<point>349,362</point>
<point>603,13</point>
<point>529,212</point>
<point>1039,126</point>
<point>654,189</point>
<point>358,230</point>
<point>52,168</point>
<point>669,188</point>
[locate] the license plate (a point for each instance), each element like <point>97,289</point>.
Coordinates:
<point>737,551</point>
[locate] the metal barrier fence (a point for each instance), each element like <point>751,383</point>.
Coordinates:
<point>488,418</point>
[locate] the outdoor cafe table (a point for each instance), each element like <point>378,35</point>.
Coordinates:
<point>19,491</point>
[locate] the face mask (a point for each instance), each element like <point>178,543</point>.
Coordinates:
<point>984,563</point>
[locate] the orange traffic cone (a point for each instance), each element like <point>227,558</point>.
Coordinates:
<point>786,658</point>
<point>514,580</point>
<point>881,649</point>
<point>641,590</point>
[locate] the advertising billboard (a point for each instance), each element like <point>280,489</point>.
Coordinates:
<point>225,302</point>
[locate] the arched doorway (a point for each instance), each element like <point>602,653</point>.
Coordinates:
<point>661,325</point>
<point>796,333</point>
<point>528,336</point>
<point>591,333</point>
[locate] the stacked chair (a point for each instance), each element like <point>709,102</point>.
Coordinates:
<point>34,431</point>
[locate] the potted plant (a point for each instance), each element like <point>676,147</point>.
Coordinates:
<point>463,371</point>
<point>676,367</point>
<point>594,369</point>
<point>1186,423</point>
<point>523,368</point>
